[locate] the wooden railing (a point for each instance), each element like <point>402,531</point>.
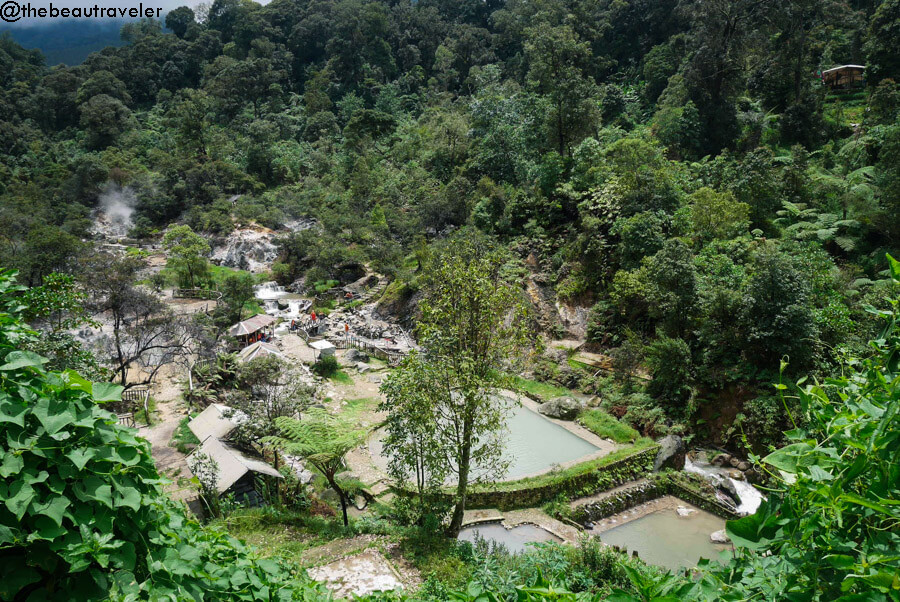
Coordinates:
<point>197,293</point>
<point>138,395</point>
<point>391,356</point>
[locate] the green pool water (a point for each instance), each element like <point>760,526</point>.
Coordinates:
<point>516,539</point>
<point>665,539</point>
<point>534,444</point>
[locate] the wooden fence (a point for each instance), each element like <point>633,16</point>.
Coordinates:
<point>137,395</point>
<point>197,293</point>
<point>391,356</point>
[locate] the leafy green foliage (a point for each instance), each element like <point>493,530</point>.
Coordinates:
<point>603,425</point>
<point>323,440</point>
<point>84,515</point>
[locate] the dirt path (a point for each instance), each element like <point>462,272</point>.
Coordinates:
<point>169,412</point>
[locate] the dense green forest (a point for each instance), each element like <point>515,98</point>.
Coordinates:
<point>675,172</point>
<point>677,167</point>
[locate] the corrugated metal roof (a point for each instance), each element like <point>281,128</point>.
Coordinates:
<point>843,67</point>
<point>258,349</point>
<point>251,325</point>
<point>320,345</point>
<point>233,464</point>
<point>212,422</point>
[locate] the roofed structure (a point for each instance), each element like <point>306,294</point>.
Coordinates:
<point>845,76</point>
<point>251,325</point>
<point>323,348</point>
<point>236,469</point>
<point>258,350</point>
<point>217,421</point>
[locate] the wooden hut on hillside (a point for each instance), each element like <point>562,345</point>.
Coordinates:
<point>238,471</point>
<point>845,77</point>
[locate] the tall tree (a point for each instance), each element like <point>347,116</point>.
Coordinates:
<point>474,323</point>
<point>557,61</point>
<point>187,252</point>
<point>144,334</point>
<point>412,443</point>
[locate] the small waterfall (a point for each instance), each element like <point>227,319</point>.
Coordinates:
<point>296,307</point>
<point>269,291</point>
<point>751,498</point>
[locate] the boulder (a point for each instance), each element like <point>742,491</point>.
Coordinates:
<point>721,460</point>
<point>743,466</point>
<point>563,408</point>
<point>753,476</point>
<point>671,454</point>
<point>734,462</point>
<point>719,537</point>
<point>728,488</point>
<point>355,355</point>
<point>362,368</point>
<point>557,356</point>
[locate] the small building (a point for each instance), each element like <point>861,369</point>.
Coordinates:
<point>323,349</point>
<point>844,77</point>
<point>217,421</point>
<point>237,471</point>
<point>252,329</point>
<point>257,350</point>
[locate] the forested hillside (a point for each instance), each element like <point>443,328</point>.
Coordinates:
<point>674,174</point>
<point>637,221</point>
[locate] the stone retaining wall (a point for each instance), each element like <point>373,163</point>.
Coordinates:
<point>589,482</point>
<point>650,490</point>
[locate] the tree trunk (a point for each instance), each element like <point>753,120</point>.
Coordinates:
<point>463,484</point>
<point>343,497</point>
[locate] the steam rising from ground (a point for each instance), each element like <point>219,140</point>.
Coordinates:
<point>115,208</point>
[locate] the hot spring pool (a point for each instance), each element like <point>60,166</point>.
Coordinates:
<point>533,445</point>
<point>665,539</point>
<point>515,539</point>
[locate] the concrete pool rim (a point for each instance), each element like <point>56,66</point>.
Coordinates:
<point>565,533</point>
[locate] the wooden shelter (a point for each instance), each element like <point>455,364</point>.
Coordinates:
<point>844,77</point>
<point>250,330</point>
<point>217,421</point>
<point>323,349</point>
<point>237,470</point>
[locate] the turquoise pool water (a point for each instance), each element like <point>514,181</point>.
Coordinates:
<point>534,444</point>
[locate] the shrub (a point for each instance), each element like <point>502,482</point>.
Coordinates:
<point>326,366</point>
<point>603,425</point>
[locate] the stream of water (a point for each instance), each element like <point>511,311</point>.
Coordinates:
<point>750,496</point>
